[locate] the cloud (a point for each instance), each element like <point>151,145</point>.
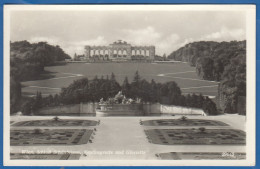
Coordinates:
<point>100,40</point>
<point>50,40</point>
<point>146,36</point>
<point>150,36</point>
<point>78,46</point>
<point>167,30</point>
<point>71,47</point>
<point>226,34</point>
<point>164,43</point>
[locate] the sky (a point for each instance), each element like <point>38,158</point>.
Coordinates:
<point>166,30</point>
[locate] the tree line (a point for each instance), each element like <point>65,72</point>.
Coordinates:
<point>224,62</point>
<point>27,62</point>
<point>85,90</point>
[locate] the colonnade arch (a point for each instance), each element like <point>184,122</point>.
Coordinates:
<point>120,50</point>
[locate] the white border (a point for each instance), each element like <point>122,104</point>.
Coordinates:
<point>251,84</point>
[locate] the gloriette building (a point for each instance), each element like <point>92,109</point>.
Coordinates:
<point>119,51</point>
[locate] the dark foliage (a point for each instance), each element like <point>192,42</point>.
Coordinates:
<point>27,62</point>
<point>224,62</point>
<point>84,90</point>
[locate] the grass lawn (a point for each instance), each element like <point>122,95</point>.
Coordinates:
<point>183,74</point>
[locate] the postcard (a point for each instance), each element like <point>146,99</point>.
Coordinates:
<point>129,85</point>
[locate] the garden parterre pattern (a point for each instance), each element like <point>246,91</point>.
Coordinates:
<point>179,122</point>
<point>201,156</point>
<point>53,123</point>
<point>50,137</point>
<point>60,122</point>
<point>67,156</point>
<point>195,136</point>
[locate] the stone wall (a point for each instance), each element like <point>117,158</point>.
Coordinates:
<point>121,107</point>
<point>152,108</point>
<point>178,110</point>
<point>60,110</point>
<point>145,109</point>
<point>88,108</point>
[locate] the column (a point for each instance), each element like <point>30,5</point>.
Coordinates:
<point>111,52</point>
<point>87,52</point>
<point>152,52</point>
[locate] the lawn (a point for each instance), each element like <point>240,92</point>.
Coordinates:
<point>183,74</point>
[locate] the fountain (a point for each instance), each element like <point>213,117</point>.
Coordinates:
<point>119,106</point>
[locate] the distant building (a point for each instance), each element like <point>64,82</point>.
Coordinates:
<point>119,51</point>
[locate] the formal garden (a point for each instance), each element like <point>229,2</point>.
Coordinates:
<point>183,121</point>
<point>196,136</point>
<point>56,122</point>
<point>50,137</point>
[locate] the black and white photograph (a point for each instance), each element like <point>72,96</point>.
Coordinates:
<point>124,85</point>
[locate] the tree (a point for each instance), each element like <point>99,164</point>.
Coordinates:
<point>144,91</point>
<point>126,87</point>
<point>113,77</point>
<point>209,107</point>
<point>48,101</point>
<point>207,67</point>
<point>56,100</point>
<point>153,91</point>
<point>194,101</point>
<point>15,95</point>
<point>200,101</point>
<point>164,57</point>
<point>26,107</point>
<point>135,86</point>
<point>137,78</point>
<point>75,56</point>
<point>188,100</point>
<point>84,90</point>
<point>182,101</point>
<point>37,103</point>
